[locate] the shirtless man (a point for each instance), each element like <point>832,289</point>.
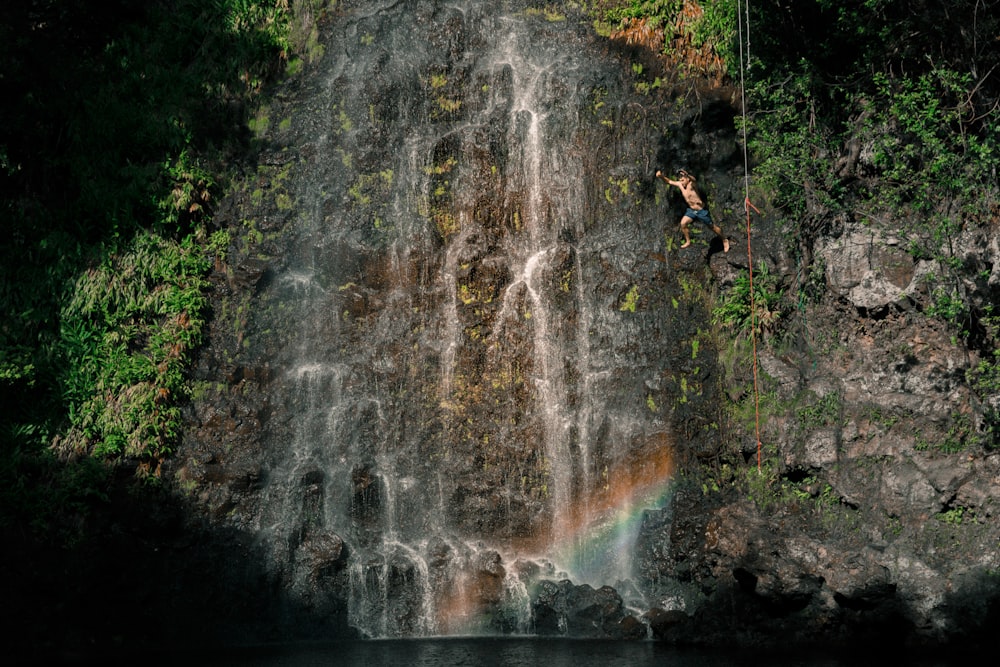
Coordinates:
<point>697,209</point>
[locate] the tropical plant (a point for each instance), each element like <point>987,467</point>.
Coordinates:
<point>656,12</point>
<point>127,328</point>
<point>758,311</point>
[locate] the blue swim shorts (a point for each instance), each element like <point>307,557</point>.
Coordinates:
<point>701,215</point>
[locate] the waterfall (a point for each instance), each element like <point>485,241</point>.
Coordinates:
<point>464,402</point>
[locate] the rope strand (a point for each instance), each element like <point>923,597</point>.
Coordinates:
<point>743,91</point>
<point>745,6</point>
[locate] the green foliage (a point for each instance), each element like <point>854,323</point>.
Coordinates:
<point>770,489</point>
<point>878,112</point>
<point>924,143</point>
<point>793,168</point>
<point>218,244</point>
<point>948,306</point>
<point>924,118</point>
<point>265,22</point>
<point>734,308</point>
<point>761,485</point>
<point>715,27</point>
<point>120,122</point>
<point>937,167</point>
<point>190,193</point>
<point>126,328</point>
<point>875,112</point>
<point>823,412</point>
<point>984,378</point>
<point>718,28</point>
<point>960,436</point>
<point>885,420</point>
<point>953,516</point>
<point>657,12</point>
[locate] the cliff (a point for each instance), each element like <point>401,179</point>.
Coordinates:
<point>871,513</point>
<point>460,377</point>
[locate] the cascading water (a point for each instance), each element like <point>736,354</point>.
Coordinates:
<point>467,403</point>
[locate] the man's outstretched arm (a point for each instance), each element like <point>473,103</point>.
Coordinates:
<point>660,174</point>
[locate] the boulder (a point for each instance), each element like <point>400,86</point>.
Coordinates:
<point>563,608</point>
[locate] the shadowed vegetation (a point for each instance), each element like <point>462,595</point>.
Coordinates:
<point>119,120</point>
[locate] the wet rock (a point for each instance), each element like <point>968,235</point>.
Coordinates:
<point>248,274</point>
<point>322,552</point>
<point>631,628</point>
<point>366,500</point>
<point>784,373</point>
<point>489,581</point>
<point>581,611</point>
<point>906,489</point>
<point>821,448</point>
<point>983,488</point>
<point>666,625</point>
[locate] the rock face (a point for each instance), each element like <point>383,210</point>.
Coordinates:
<point>875,514</point>
<point>460,381</point>
<point>466,366</point>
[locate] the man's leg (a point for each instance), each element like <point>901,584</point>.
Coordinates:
<point>725,241</point>
<point>685,221</point>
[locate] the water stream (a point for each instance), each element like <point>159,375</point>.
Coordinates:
<point>466,407</point>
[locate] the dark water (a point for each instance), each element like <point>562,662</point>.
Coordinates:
<point>525,652</point>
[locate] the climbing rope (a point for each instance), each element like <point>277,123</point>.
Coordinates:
<point>742,7</point>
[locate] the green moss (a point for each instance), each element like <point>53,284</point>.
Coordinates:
<point>188,487</point>
<point>346,125</point>
<point>566,281</point>
<point>253,235</point>
<point>370,187</point>
<point>260,123</point>
<point>442,168</point>
<point>314,49</point>
<point>449,105</point>
<point>631,299</point>
<point>294,66</point>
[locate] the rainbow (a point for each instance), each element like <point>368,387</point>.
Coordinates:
<point>589,542</point>
<point>594,542</point>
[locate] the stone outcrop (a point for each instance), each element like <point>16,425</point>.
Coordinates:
<point>875,515</point>
<point>564,609</point>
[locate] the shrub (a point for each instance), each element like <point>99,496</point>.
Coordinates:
<point>126,330</point>
<point>734,309</point>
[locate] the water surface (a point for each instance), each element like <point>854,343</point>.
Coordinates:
<point>533,651</point>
